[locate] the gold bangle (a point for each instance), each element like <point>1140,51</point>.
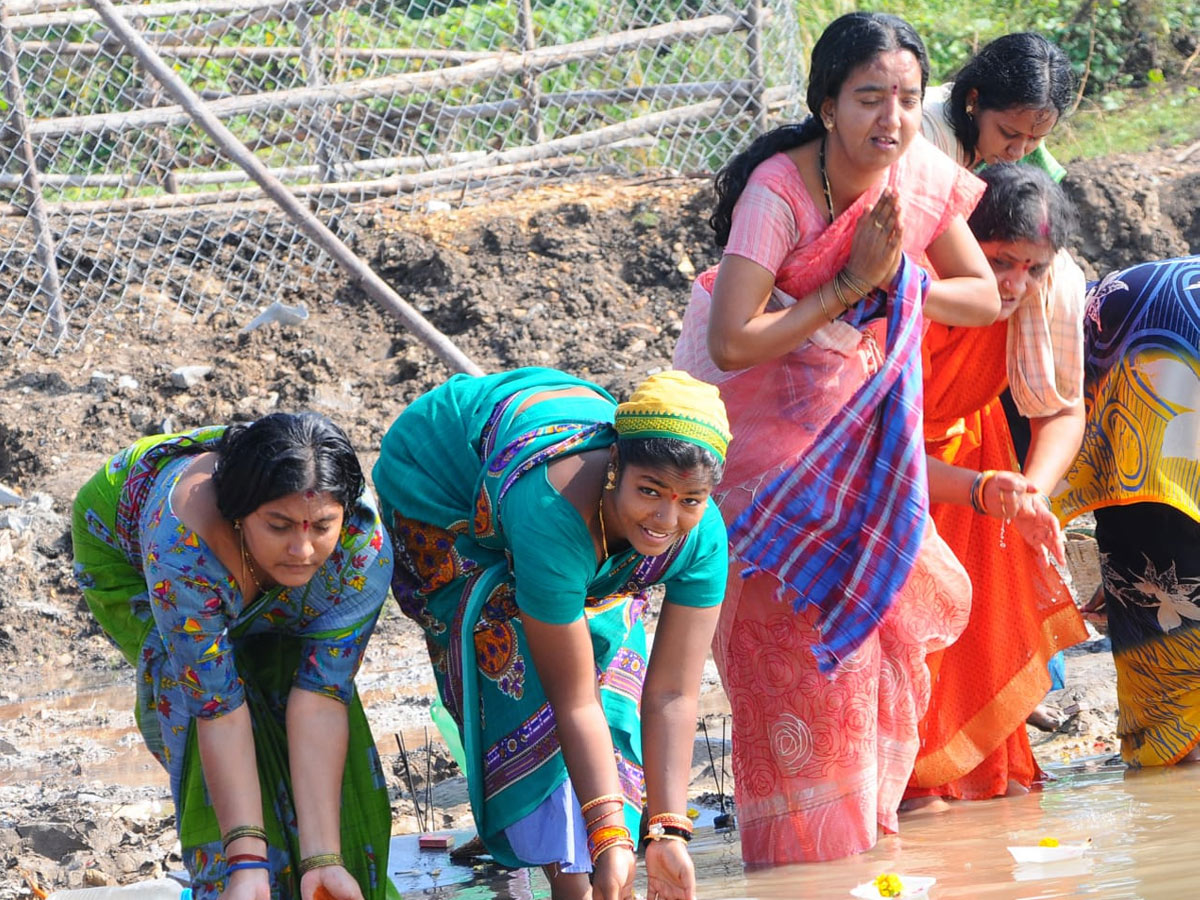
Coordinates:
<point>856,284</point>
<point>241,831</point>
<point>320,861</point>
<point>821,297</point>
<point>837,290</point>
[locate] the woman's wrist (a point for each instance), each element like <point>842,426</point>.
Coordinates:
<point>320,861</point>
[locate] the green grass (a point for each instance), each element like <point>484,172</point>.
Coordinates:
<point>1130,121</point>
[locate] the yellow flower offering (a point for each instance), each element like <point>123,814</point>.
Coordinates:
<point>1048,842</point>
<point>888,885</point>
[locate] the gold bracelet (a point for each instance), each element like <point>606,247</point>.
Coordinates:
<point>855,283</point>
<point>837,290</point>
<point>821,297</point>
<point>241,831</point>
<point>320,861</point>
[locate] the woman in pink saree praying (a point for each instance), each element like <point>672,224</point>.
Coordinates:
<point>811,327</point>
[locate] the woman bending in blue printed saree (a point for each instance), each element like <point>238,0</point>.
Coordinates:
<point>241,570</point>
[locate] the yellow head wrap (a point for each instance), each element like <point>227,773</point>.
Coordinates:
<point>673,404</point>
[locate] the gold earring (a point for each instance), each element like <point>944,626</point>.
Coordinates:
<point>237,524</point>
<point>610,481</point>
<point>971,110</point>
<point>828,124</point>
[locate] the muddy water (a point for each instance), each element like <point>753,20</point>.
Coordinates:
<point>1141,826</point>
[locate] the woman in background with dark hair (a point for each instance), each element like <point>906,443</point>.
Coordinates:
<point>241,570</point>
<point>811,328</point>
<point>973,740</point>
<point>1002,104</point>
<point>530,514</point>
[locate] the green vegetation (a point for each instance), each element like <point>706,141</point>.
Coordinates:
<point>1130,120</point>
<point>1133,57</point>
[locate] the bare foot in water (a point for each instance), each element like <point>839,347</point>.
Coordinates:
<point>924,805</point>
<point>1015,789</point>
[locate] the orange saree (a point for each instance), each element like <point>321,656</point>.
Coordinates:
<point>973,740</point>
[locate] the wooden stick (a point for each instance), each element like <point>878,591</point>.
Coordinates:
<point>173,204</point>
<point>249,53</point>
<point>539,60</point>
<point>754,54</point>
<point>50,287</point>
<point>529,82</point>
<point>355,268</point>
<point>226,176</point>
<point>59,19</point>
<point>319,119</point>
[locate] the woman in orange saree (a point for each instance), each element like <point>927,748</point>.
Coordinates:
<point>973,739</point>
<point>824,402</point>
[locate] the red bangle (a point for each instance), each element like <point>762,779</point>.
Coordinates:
<point>245,857</point>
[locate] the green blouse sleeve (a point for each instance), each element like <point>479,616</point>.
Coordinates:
<point>697,578</point>
<point>552,554</point>
<point>1042,158</point>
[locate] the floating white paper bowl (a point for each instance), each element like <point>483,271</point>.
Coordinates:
<point>1048,854</point>
<point>911,886</point>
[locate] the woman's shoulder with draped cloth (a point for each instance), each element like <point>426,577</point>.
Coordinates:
<point>933,190</point>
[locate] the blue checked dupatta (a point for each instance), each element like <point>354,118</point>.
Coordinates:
<point>843,524</point>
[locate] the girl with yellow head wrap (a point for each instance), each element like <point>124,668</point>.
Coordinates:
<point>530,514</point>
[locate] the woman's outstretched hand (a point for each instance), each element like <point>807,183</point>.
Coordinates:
<point>329,883</point>
<point>1040,529</point>
<point>1011,496</point>
<point>669,871</point>
<point>878,242</point>
<point>612,878</point>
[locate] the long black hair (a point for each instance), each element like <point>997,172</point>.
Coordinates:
<point>1023,203</point>
<point>281,454</point>
<point>1016,71</point>
<point>848,42</point>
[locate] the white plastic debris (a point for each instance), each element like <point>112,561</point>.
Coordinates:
<point>277,312</point>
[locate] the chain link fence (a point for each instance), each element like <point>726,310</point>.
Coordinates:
<point>117,209</point>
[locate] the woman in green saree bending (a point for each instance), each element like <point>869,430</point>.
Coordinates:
<point>530,513</point>
<point>241,571</point>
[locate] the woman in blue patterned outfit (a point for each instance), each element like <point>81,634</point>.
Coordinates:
<point>241,570</point>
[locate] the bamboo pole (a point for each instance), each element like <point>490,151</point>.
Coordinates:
<point>49,286</point>
<point>226,176</point>
<point>253,197</point>
<point>754,53</point>
<point>529,81</point>
<point>319,118</point>
<point>539,60</point>
<point>62,18</point>
<point>322,236</point>
<point>249,53</point>
<point>596,97</point>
